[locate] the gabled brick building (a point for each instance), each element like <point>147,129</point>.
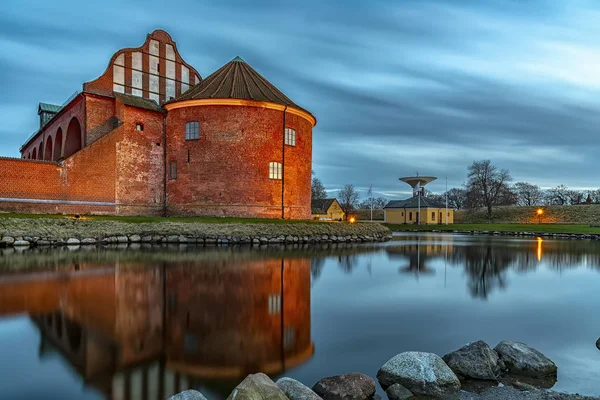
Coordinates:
<point>150,136</point>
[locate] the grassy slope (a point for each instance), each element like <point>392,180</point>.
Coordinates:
<point>581,214</point>
<point>537,228</point>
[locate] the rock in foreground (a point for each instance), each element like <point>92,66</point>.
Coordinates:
<point>257,387</point>
<point>523,360</point>
<point>295,390</point>
<point>475,360</point>
<point>352,386</point>
<point>188,395</point>
<point>423,374</point>
<point>398,392</point>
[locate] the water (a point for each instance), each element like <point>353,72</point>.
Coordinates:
<point>145,322</point>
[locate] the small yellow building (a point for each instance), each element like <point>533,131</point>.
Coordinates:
<point>327,210</point>
<point>407,212</point>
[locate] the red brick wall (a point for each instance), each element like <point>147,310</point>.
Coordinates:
<point>227,171</point>
<point>140,183</point>
<point>98,110</point>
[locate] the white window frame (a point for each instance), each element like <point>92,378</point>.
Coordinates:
<point>275,170</point>
<point>290,137</point>
<point>192,130</point>
<point>172,170</point>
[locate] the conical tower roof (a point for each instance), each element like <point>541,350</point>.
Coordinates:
<point>236,80</point>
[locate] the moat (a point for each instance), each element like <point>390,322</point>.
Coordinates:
<point>145,321</point>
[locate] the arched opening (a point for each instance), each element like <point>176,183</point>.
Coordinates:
<point>34,154</point>
<point>58,319</point>
<point>73,139</point>
<point>73,331</point>
<point>48,150</point>
<point>40,154</point>
<point>58,145</point>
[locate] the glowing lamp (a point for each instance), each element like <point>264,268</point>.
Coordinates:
<point>540,211</point>
<point>539,214</point>
<point>352,220</point>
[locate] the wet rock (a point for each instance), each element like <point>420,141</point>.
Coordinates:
<point>521,359</point>
<point>135,238</point>
<point>398,392</point>
<point>257,387</point>
<point>88,241</point>
<point>188,395</point>
<point>173,239</point>
<point>423,374</point>
<point>475,360</point>
<point>7,241</point>
<point>21,243</point>
<point>352,386</point>
<point>295,390</point>
<point>122,239</point>
<point>73,241</point>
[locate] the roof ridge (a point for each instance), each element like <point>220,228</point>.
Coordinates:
<point>223,81</point>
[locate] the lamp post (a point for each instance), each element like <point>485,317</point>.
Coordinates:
<point>539,213</point>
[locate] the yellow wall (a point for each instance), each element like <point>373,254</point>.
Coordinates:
<point>409,215</point>
<point>334,213</point>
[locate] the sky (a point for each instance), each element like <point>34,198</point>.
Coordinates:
<point>397,86</point>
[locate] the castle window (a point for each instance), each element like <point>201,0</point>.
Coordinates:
<point>290,136</point>
<point>433,215</point>
<point>139,127</point>
<point>192,130</point>
<point>275,170</point>
<point>173,170</point>
<point>410,216</point>
<point>274,304</point>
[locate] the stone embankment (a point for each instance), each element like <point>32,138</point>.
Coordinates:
<point>60,232</point>
<point>511,370</point>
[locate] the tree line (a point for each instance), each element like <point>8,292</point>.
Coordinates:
<point>487,186</point>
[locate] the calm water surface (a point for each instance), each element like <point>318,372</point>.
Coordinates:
<point>146,322</point>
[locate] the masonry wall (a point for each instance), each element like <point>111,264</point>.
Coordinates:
<point>226,171</point>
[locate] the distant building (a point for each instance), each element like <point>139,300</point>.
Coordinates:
<point>327,210</point>
<point>418,209</point>
<point>407,212</point>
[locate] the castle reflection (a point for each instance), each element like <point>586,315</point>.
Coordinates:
<point>147,331</point>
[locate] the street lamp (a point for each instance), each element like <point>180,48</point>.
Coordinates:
<point>539,213</point>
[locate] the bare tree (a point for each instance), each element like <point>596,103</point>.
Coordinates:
<point>595,196</point>
<point>318,191</point>
<point>558,195</point>
<point>528,194</point>
<point>457,198</point>
<point>348,198</point>
<point>575,196</point>
<point>378,203</point>
<point>488,184</point>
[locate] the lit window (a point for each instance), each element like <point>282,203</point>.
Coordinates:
<point>139,127</point>
<point>173,170</point>
<point>274,170</point>
<point>290,136</point>
<point>192,130</point>
<point>274,304</point>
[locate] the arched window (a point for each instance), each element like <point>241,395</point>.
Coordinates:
<point>48,150</point>
<point>192,130</point>
<point>40,152</point>
<point>73,139</point>
<point>58,141</point>
<point>275,170</point>
<point>34,154</point>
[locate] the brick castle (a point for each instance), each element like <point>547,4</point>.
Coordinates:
<point>151,137</point>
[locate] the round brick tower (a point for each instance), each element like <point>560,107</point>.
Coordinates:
<point>237,146</point>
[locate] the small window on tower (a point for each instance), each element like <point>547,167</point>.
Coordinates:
<point>275,170</point>
<point>192,130</point>
<point>139,127</point>
<point>173,170</point>
<point>290,136</point>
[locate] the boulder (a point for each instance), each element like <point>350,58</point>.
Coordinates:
<point>475,360</point>
<point>72,241</point>
<point>521,359</point>
<point>135,238</point>
<point>352,386</point>
<point>122,239</point>
<point>8,240</point>
<point>21,243</point>
<point>257,387</point>
<point>295,390</point>
<point>398,392</point>
<point>88,241</point>
<point>424,374</point>
<point>188,395</point>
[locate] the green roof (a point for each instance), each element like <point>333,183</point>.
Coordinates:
<point>53,108</point>
<point>238,59</point>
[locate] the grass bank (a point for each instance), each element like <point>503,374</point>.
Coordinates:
<point>536,228</point>
<point>55,226</point>
<point>579,214</point>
